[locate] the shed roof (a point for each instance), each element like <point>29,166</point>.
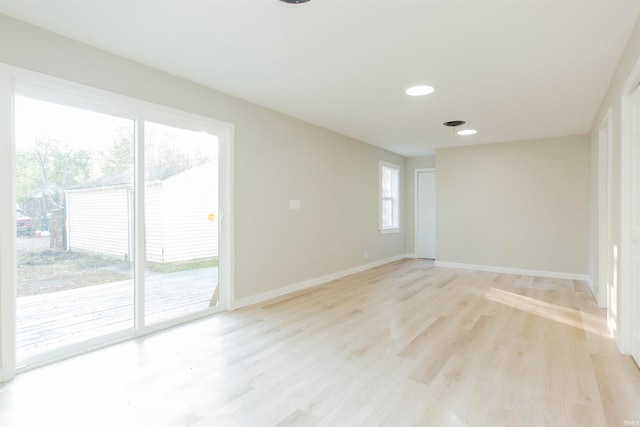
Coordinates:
<point>125,176</point>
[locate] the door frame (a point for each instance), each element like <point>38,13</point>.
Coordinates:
<point>605,246</point>
<point>12,81</point>
<point>416,197</point>
<point>7,230</point>
<point>629,315</point>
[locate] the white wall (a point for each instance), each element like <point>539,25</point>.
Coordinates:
<point>613,101</point>
<point>277,158</point>
<point>519,205</point>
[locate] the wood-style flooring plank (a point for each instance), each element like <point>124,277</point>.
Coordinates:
<point>404,344</point>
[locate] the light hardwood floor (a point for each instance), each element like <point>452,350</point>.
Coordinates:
<point>405,344</point>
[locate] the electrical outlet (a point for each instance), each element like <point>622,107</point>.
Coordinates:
<point>366,254</point>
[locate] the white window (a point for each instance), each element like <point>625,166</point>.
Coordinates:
<point>389,197</point>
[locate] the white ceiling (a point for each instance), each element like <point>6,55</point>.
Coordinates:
<point>513,70</point>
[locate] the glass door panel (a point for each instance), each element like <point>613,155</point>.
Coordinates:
<point>181,222</point>
<point>74,210</point>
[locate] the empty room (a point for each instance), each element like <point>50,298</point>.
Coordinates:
<point>319,213</point>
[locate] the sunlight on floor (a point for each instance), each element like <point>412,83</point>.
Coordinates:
<point>568,316</point>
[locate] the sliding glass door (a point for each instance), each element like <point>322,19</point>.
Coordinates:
<point>181,221</point>
<point>73,187</point>
<point>117,222</point>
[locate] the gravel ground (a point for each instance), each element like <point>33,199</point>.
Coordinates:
<point>41,269</point>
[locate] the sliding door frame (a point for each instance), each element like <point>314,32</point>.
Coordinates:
<point>18,81</point>
<point>7,231</point>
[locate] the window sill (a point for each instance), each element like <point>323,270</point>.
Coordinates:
<point>390,230</point>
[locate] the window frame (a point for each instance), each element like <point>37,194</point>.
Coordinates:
<point>394,197</point>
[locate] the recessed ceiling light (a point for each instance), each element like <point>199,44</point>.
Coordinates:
<point>419,90</point>
<point>467,132</point>
<point>295,1</point>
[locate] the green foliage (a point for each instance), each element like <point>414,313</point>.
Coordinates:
<point>48,169</point>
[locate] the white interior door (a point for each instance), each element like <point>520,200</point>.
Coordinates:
<point>634,279</point>
<point>426,215</point>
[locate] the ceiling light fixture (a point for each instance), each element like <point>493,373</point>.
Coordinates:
<point>295,1</point>
<point>467,132</point>
<point>454,123</point>
<point>419,90</point>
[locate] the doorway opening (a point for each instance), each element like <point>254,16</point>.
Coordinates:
<point>425,239</point>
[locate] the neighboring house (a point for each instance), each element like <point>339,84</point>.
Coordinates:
<point>179,201</point>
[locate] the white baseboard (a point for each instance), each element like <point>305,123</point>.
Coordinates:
<point>5,375</point>
<point>265,296</point>
<point>592,287</point>
<point>507,270</point>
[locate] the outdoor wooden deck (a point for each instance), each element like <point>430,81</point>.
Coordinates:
<point>54,320</point>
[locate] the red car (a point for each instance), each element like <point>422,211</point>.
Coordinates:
<point>24,223</point>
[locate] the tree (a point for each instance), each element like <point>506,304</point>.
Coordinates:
<point>47,170</point>
<point>120,154</point>
<point>162,152</point>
